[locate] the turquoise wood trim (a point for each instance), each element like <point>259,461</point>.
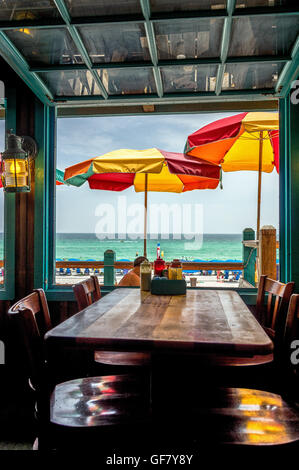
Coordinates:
<point>7,292</point>
<point>227,27</point>
<point>285,206</point>
<point>249,257</point>
<point>50,201</point>
<point>293,188</point>
<point>45,118</point>
<point>289,191</point>
<point>150,34</point>
<point>289,72</point>
<point>109,260</point>
<point>19,64</point>
<point>39,232</point>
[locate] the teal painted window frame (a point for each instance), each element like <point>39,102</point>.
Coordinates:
<point>45,205</point>
<point>289,190</point>
<point>7,290</point>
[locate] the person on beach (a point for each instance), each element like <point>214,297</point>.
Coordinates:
<point>132,278</point>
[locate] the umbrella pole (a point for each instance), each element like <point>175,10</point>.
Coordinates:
<point>259,187</point>
<point>259,201</point>
<point>145,217</point>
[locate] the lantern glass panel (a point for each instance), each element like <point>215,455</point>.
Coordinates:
<point>16,173</point>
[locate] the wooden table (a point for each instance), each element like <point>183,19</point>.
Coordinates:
<point>203,321</point>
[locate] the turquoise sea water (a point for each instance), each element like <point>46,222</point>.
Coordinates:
<point>82,246</point>
<point>87,246</point>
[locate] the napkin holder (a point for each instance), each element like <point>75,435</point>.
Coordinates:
<point>168,287</point>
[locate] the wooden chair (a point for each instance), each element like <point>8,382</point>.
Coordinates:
<point>238,416</point>
<point>88,292</point>
<point>73,408</point>
<point>272,316</point>
<point>289,360</point>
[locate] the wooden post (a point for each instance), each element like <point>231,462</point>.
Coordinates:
<point>267,251</point>
<point>109,260</point>
<point>249,257</point>
<point>259,190</point>
<point>145,217</point>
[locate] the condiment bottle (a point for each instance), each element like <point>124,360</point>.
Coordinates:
<point>145,275</point>
<point>175,270</point>
<point>159,264</point>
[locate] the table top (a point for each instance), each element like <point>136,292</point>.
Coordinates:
<point>202,321</point>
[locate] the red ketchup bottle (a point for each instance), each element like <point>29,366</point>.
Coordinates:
<point>159,264</point>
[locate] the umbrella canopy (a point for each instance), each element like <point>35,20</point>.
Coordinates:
<point>59,177</point>
<point>246,141</point>
<point>146,170</point>
<point>234,142</point>
<point>166,171</point>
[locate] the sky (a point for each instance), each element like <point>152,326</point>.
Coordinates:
<point>229,210</point>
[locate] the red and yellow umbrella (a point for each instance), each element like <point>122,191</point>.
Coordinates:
<point>166,171</point>
<point>246,141</point>
<point>145,170</point>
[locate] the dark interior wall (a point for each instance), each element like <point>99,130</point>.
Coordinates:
<point>24,242</point>
<point>24,112</point>
<point>25,119</point>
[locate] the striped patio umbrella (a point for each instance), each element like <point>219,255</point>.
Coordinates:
<point>246,141</point>
<point>59,177</point>
<point>145,170</point>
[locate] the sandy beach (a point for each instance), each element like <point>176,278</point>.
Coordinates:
<point>201,281</point>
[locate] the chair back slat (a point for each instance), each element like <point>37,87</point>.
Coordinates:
<point>272,321</point>
<point>274,287</point>
<point>87,292</point>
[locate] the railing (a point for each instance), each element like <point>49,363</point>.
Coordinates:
<point>109,265</point>
<point>189,265</point>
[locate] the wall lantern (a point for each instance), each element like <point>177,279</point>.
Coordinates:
<point>15,163</point>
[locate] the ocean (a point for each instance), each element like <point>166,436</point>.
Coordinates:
<point>81,246</point>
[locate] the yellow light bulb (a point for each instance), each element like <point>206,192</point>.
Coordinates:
<point>15,169</point>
